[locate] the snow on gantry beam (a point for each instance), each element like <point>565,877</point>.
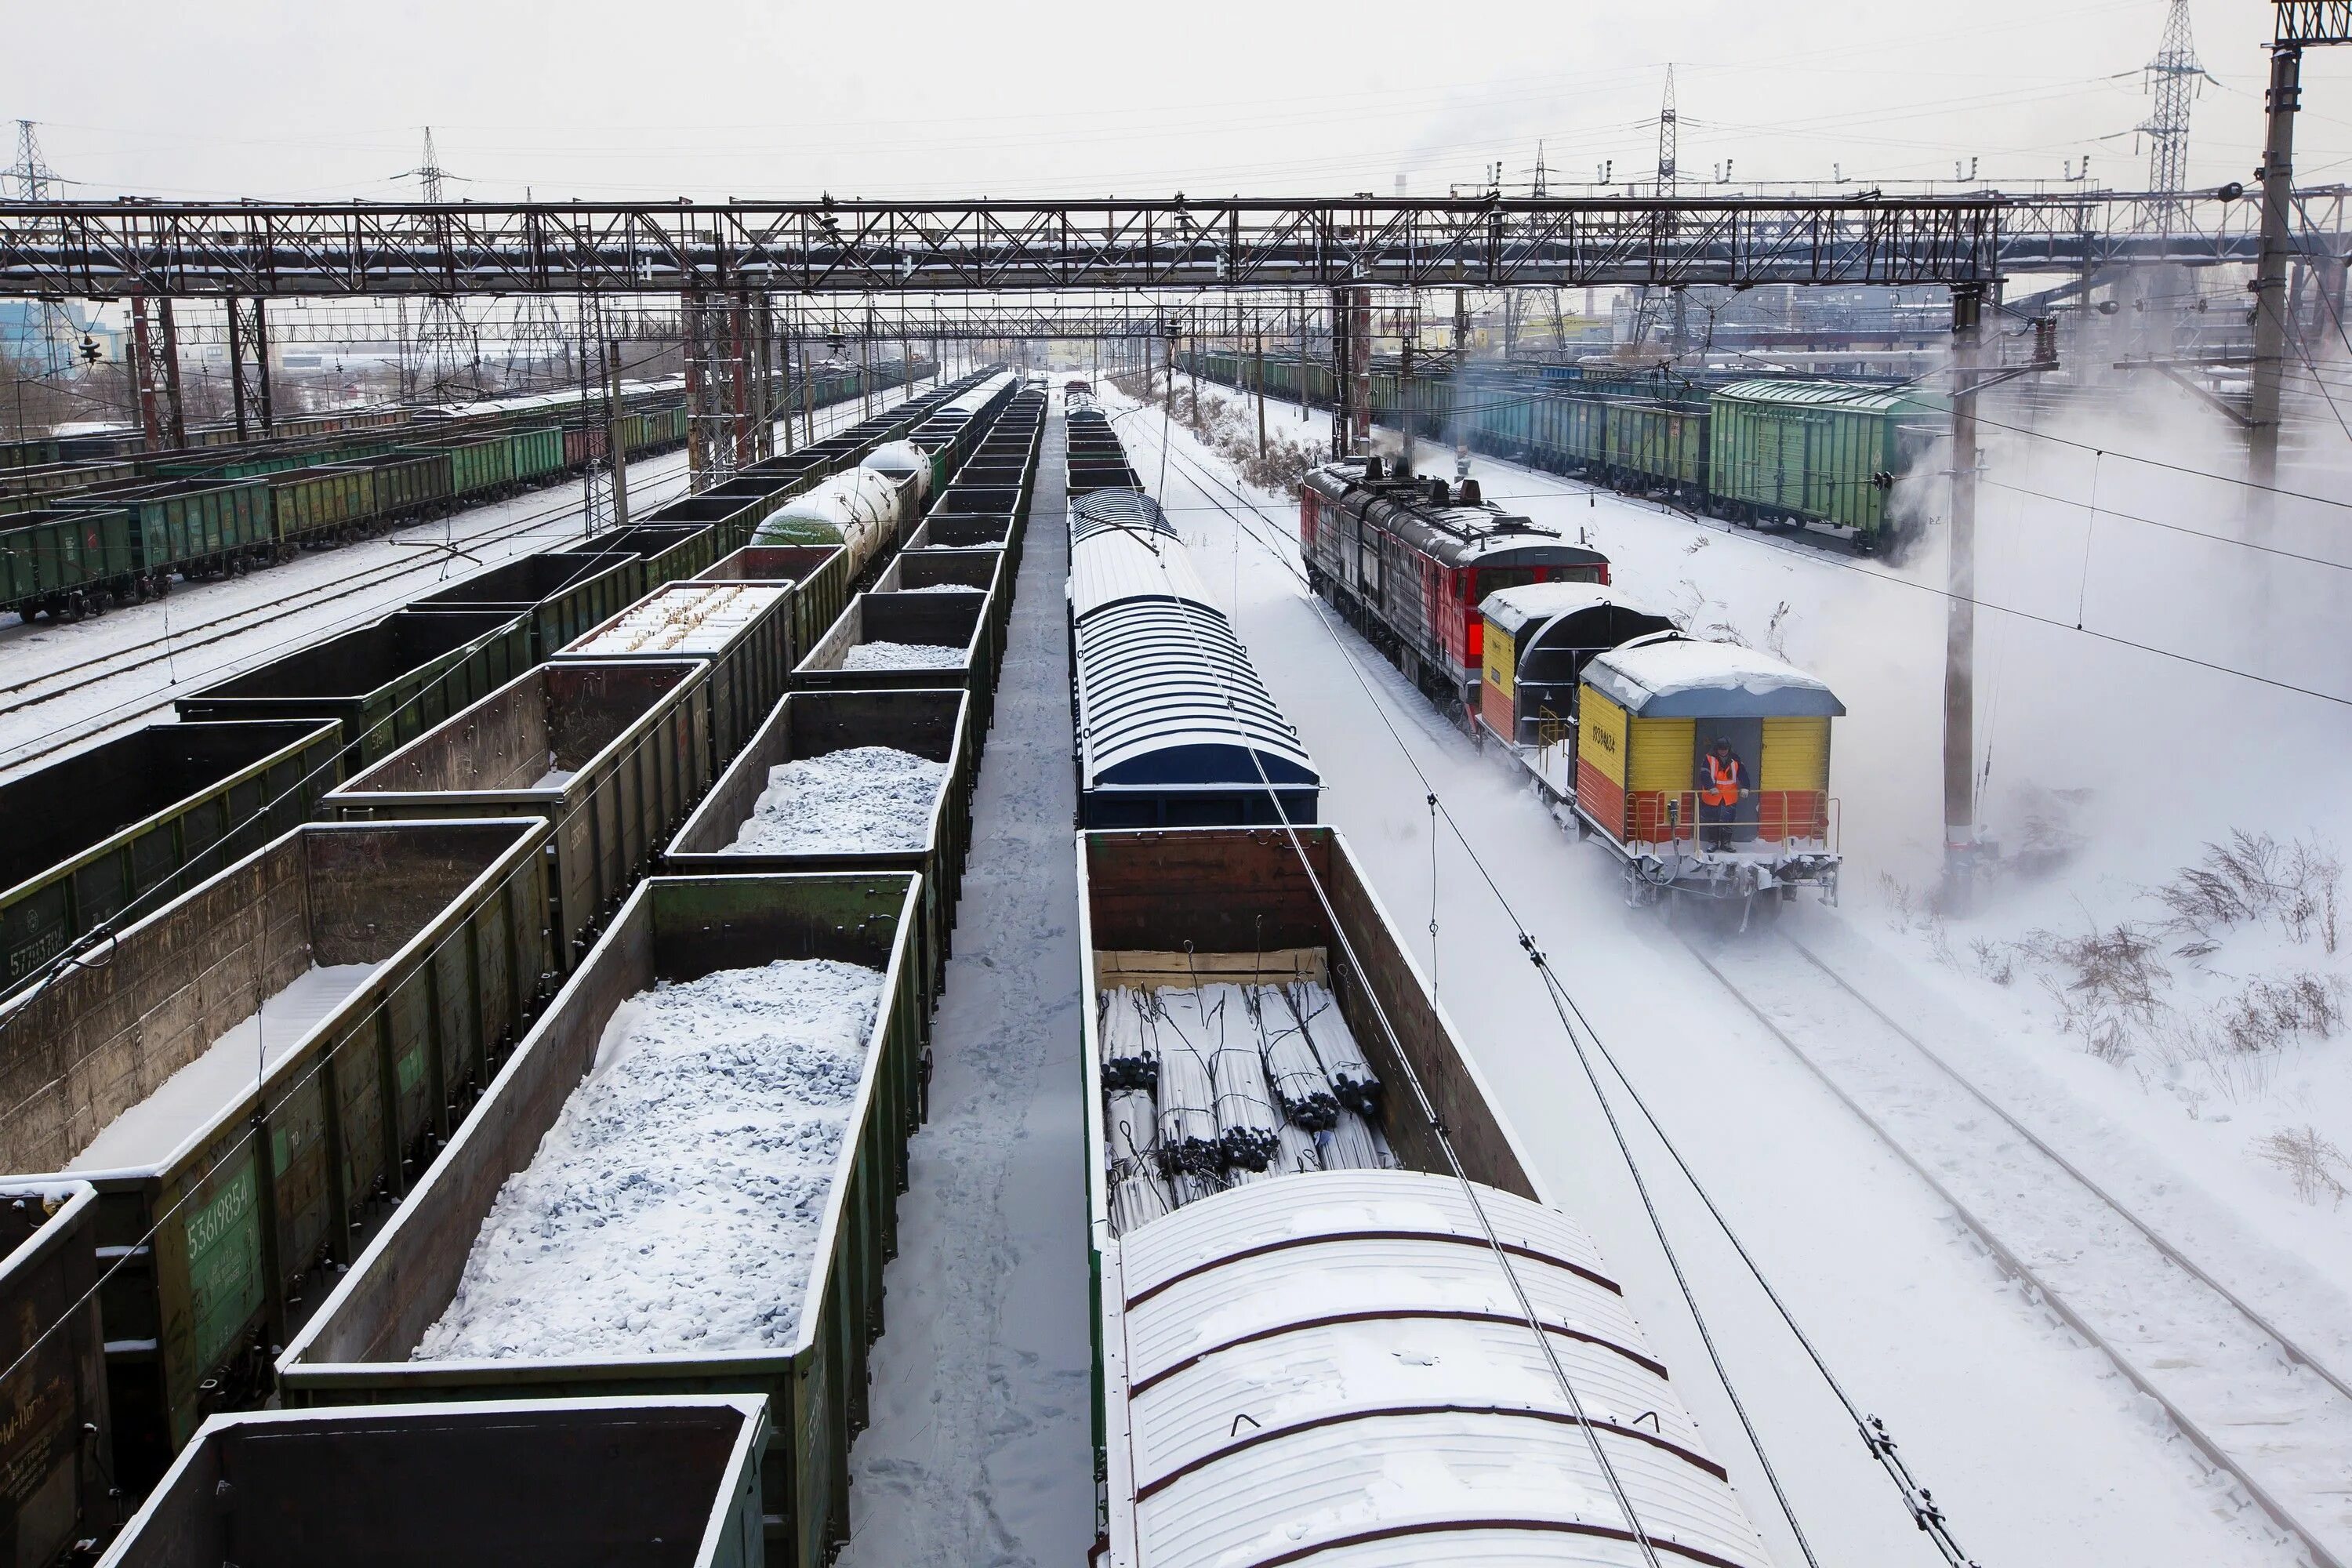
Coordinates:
<point>194,249</point>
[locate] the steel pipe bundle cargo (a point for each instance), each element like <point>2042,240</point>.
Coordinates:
<point>818,576</point>
<point>914,640</point>
<point>1201,1306</point>
<point>125,820</point>
<point>627,1483</point>
<point>415,949</point>
<point>741,631</point>
<point>943,571</point>
<point>559,593</point>
<point>613,755</point>
<point>56,1448</point>
<point>676,930</point>
<point>387,682</point>
<point>934,725</point>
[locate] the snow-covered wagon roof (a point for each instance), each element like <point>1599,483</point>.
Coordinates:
<point>1678,677</point>
<point>1112,564</point>
<point>1334,1368</point>
<point>1121,508</point>
<point>1513,609</point>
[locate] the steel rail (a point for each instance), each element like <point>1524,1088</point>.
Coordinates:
<point>2010,1264</point>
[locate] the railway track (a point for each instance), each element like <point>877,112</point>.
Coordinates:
<point>52,684</point>
<point>2256,1405</point>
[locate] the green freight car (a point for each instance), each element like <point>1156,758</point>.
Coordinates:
<point>356,1349</point>
<point>142,818</point>
<point>192,527</point>
<point>1815,452</point>
<point>66,565</point>
<point>311,506</point>
<point>423,945</point>
<point>1657,447</point>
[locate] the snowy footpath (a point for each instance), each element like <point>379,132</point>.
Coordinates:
<point>2038,1451</point>
<point>981,1451</point>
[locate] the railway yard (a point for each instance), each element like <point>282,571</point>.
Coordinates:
<point>1641,871</point>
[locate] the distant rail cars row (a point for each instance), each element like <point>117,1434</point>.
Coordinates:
<point>1174,727</point>
<point>1824,456</point>
<point>1704,766</point>
<point>77,536</point>
<point>496,784</point>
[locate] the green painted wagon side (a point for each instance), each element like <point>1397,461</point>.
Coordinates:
<point>476,467</point>
<point>59,561</point>
<point>311,502</point>
<point>139,818</point>
<point>410,483</point>
<point>388,683</point>
<point>664,552</point>
<point>189,524</point>
<point>213,1243</point>
<point>1658,444</point>
<point>355,1350</point>
<point>537,453</point>
<point>1814,451</point>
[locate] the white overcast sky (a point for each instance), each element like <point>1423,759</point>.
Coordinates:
<point>299,98</point>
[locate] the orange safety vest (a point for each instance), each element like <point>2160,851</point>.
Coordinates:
<point>1722,782</point>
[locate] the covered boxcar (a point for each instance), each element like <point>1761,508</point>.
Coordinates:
<point>1815,453</point>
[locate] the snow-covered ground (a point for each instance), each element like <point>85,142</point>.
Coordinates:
<point>980,1454</point>
<point>860,799</point>
<point>676,1204</point>
<point>543,520</point>
<point>2036,1450</point>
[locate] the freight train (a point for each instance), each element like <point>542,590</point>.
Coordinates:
<point>1821,456</point>
<point>498,814</point>
<point>77,537</point>
<point>1702,767</point>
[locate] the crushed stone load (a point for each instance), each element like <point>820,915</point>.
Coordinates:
<point>674,1205</point>
<point>184,1103</point>
<point>944,588</point>
<point>1211,1086</point>
<point>903,655</point>
<point>867,799</point>
<point>684,617</point>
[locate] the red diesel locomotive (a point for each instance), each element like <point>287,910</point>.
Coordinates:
<point>1408,560</point>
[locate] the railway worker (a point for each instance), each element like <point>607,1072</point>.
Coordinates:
<point>1462,460</point>
<point>1723,779</point>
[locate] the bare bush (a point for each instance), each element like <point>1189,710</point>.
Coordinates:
<point>2110,982</point>
<point>1996,960</point>
<point>2269,1014</point>
<point>2252,876</point>
<point>2310,1161</point>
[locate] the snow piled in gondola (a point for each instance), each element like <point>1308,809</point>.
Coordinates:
<point>676,1205</point>
<point>862,799</point>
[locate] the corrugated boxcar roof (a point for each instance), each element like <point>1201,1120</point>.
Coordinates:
<point>1398,1404</point>
<point>1114,563</point>
<point>1153,701</point>
<point>1132,509</point>
<point>1679,678</point>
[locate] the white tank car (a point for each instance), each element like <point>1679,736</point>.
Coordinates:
<point>901,461</point>
<point>862,510</point>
